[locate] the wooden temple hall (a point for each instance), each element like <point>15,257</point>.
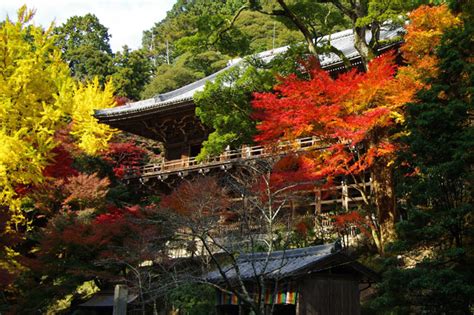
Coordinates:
<point>170,118</point>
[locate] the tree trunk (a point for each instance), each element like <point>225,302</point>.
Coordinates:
<point>303,29</point>
<point>360,43</point>
<point>384,201</point>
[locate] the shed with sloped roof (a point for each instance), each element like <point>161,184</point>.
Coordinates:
<point>304,281</point>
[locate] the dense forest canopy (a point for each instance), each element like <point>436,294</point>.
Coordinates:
<point>197,37</point>
<point>191,41</point>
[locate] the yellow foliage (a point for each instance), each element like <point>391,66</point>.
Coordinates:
<point>92,136</point>
<point>87,289</point>
<point>33,75</point>
<point>427,25</point>
<point>38,97</point>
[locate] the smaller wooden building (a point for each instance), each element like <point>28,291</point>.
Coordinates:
<point>304,281</point>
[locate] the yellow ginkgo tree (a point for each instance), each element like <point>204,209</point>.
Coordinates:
<point>38,97</point>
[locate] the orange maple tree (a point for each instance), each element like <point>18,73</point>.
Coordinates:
<point>427,25</point>
<point>354,116</point>
<point>197,199</point>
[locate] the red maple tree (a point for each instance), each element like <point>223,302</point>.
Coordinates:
<point>352,117</point>
<point>125,158</point>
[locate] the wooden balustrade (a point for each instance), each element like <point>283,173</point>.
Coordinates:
<point>340,196</point>
<point>226,159</point>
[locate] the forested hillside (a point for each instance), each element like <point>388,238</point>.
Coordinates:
<point>191,42</point>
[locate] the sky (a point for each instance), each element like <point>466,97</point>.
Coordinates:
<point>125,19</point>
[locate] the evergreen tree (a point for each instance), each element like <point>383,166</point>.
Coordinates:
<point>189,44</point>
<point>133,70</point>
<point>433,271</point>
<point>84,42</point>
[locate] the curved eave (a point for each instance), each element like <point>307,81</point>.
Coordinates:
<point>133,113</point>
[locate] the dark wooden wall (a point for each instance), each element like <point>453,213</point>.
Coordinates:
<point>328,295</point>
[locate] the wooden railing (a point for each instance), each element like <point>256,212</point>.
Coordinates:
<point>183,166</point>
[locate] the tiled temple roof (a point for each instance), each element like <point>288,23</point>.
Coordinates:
<point>344,41</point>
<point>289,263</point>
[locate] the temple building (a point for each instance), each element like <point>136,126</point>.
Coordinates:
<point>170,117</point>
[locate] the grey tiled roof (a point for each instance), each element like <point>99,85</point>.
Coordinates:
<point>280,264</point>
<point>344,41</point>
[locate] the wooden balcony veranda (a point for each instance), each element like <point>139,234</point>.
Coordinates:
<point>344,195</point>
<point>184,166</point>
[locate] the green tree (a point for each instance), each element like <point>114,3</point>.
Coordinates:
<point>196,37</point>
<point>84,42</point>
<point>433,273</point>
<point>133,70</point>
<point>192,298</point>
<point>313,19</point>
<point>185,23</point>
<point>207,62</point>
<point>205,36</point>
<point>224,105</point>
<point>180,46</point>
<point>170,77</point>
<point>264,32</point>
<point>366,17</point>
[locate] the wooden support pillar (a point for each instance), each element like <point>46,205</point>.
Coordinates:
<point>345,195</point>
<point>317,209</point>
<point>317,201</point>
<point>184,158</point>
<point>292,206</point>
<point>120,299</point>
<point>163,164</point>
